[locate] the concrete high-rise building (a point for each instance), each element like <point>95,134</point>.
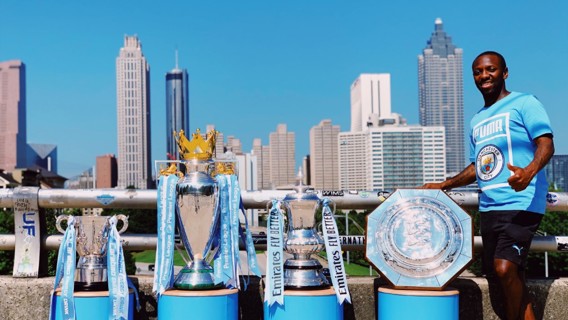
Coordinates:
<point>219,143</point>
<point>440,81</point>
<point>324,161</point>
<point>42,155</point>
<point>12,115</point>
<point>557,172</point>
<point>262,154</point>
<point>234,145</point>
<point>247,168</point>
<point>370,100</point>
<point>177,108</point>
<point>391,156</point>
<point>282,157</point>
<point>106,171</point>
<point>133,116</point>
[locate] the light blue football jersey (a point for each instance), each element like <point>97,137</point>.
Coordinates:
<point>504,133</point>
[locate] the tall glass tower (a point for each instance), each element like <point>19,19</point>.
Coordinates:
<point>133,116</point>
<point>440,81</point>
<point>177,108</point>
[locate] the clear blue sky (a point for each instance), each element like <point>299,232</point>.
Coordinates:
<point>254,64</point>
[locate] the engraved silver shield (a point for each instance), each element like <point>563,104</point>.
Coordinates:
<point>419,239</point>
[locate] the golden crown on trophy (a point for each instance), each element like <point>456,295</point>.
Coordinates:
<point>198,148</point>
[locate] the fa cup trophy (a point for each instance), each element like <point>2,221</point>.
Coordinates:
<point>92,234</point>
<point>197,211</point>
<point>302,240</point>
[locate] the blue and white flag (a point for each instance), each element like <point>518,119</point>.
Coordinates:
<point>274,290</point>
<point>65,271</point>
<point>117,278</point>
<point>246,237</point>
<point>334,255</point>
<point>164,265</point>
<point>225,264</point>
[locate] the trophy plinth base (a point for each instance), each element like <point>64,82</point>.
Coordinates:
<point>298,277</point>
<point>426,304</point>
<point>93,286</point>
<point>192,279</point>
<point>322,304</point>
<point>90,305</point>
<point>205,304</point>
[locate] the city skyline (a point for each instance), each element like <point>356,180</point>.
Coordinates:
<point>256,65</point>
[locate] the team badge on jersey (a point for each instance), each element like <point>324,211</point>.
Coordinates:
<point>489,162</point>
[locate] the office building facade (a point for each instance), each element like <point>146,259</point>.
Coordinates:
<point>133,116</point>
<point>557,172</point>
<point>323,160</point>
<point>440,81</point>
<point>282,157</point>
<point>13,133</point>
<point>42,155</point>
<point>177,109</point>
<point>370,100</point>
<point>106,171</point>
<point>262,154</point>
<point>390,157</point>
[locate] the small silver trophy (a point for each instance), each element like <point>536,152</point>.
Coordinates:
<point>91,243</point>
<point>197,211</point>
<point>302,240</point>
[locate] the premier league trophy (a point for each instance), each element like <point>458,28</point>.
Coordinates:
<point>92,233</point>
<point>197,212</point>
<point>192,202</point>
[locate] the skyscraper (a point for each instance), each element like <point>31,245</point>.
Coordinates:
<point>133,116</point>
<point>370,100</point>
<point>177,108</point>
<point>324,166</point>
<point>12,115</point>
<point>391,156</point>
<point>282,156</point>
<point>440,81</point>
<point>106,171</point>
<point>262,154</point>
<point>557,172</point>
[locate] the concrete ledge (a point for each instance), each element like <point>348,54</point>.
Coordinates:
<point>29,298</point>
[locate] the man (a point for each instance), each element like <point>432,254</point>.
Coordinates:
<point>510,143</point>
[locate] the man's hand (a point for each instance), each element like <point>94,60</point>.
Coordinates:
<point>432,185</point>
<point>520,178</point>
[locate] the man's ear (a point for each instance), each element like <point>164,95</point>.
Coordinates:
<point>505,73</point>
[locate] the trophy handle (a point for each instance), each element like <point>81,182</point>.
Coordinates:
<point>124,222</point>
<point>58,222</point>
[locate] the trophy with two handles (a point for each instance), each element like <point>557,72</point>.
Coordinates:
<point>202,203</point>
<point>300,280</point>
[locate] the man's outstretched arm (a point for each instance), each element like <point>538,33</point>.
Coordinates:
<point>463,178</point>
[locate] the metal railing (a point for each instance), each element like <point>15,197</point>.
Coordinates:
<point>28,241</point>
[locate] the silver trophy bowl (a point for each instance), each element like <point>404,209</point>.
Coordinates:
<point>198,224</point>
<point>91,245</point>
<point>302,240</point>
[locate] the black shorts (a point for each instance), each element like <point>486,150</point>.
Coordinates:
<point>507,235</point>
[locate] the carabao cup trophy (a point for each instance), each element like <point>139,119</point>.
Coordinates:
<point>92,235</point>
<point>197,211</point>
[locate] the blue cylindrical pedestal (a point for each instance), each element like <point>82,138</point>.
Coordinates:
<point>306,304</point>
<point>403,304</point>
<point>91,305</point>
<point>222,304</point>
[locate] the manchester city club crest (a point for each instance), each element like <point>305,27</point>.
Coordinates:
<point>489,162</point>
